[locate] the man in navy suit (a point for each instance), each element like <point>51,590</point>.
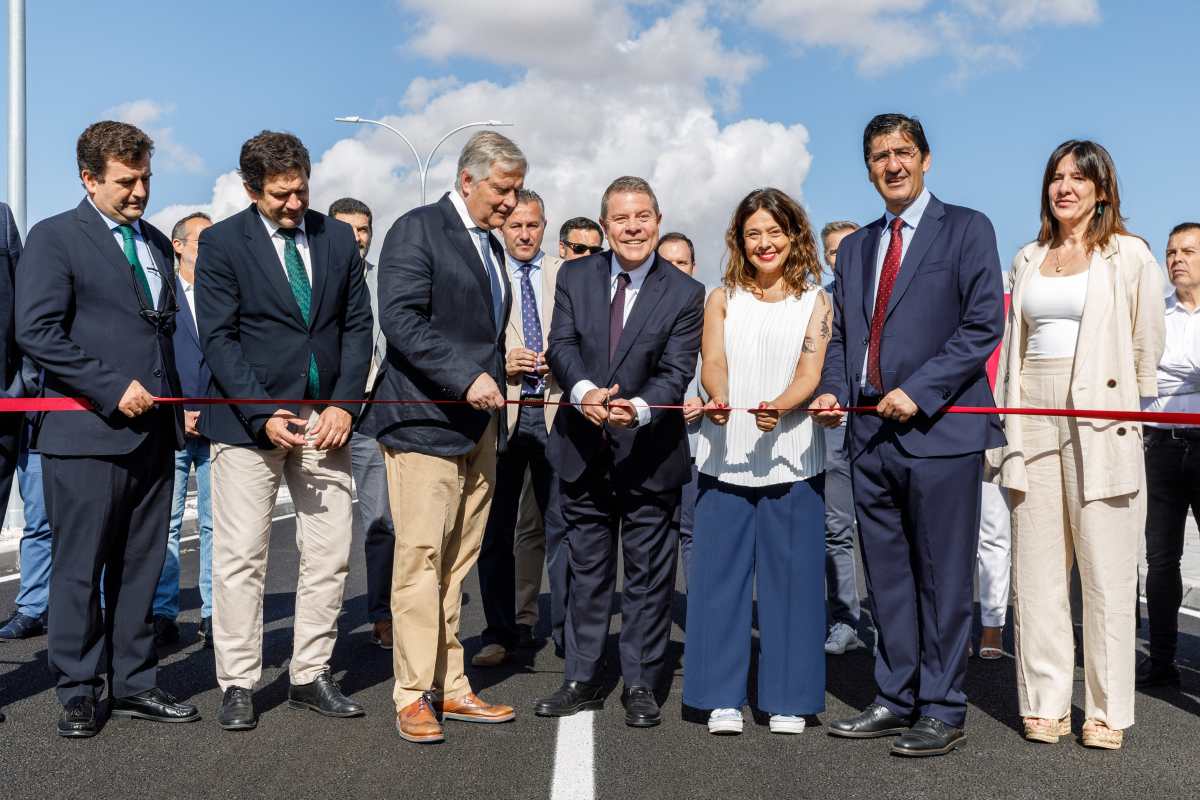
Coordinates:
<point>444,298</point>
<point>918,308</point>
<point>625,336</point>
<point>194,379</point>
<point>95,311</point>
<point>283,314</point>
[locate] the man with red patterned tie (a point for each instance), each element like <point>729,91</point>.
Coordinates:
<point>918,309</point>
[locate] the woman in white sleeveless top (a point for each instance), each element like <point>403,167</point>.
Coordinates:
<point>760,511</point>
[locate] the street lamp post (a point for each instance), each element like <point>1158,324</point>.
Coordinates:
<point>423,165</point>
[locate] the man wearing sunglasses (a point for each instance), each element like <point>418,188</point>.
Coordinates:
<point>95,310</point>
<point>579,237</point>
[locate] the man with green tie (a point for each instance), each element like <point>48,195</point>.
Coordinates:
<point>95,309</point>
<point>283,312</point>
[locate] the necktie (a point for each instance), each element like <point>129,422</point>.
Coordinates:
<point>302,291</point>
<point>531,330</point>
<point>887,279</point>
<point>135,264</point>
<point>489,264</point>
<point>616,314</point>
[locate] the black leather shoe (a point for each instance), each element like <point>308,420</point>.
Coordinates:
<point>1152,674</point>
<point>929,737</point>
<point>78,718</point>
<point>156,706</point>
<point>237,710</point>
<point>323,696</point>
<point>206,632</point>
<point>166,631</point>
<point>874,721</point>
<point>525,638</point>
<point>22,626</point>
<point>571,698</point>
<point>641,709</point>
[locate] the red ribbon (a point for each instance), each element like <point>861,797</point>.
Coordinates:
<point>25,404</point>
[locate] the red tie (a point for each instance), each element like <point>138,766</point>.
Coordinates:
<point>887,279</point>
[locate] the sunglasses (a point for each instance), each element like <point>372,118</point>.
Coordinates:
<point>578,248</point>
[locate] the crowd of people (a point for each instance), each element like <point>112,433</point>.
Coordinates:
<point>530,411</point>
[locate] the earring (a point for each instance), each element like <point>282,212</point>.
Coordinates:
<point>1099,209</point>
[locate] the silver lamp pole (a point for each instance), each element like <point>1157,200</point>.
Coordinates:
<point>16,111</point>
<point>423,165</point>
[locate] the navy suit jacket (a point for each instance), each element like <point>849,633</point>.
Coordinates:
<point>254,339</point>
<point>195,378</point>
<point>944,318</point>
<point>79,318</point>
<point>10,253</point>
<point>435,310</point>
<point>655,360</point>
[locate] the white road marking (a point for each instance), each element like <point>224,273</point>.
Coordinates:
<point>574,759</point>
<point>16,576</point>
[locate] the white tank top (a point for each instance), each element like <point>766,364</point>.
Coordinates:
<point>1052,308</point>
<point>763,342</point>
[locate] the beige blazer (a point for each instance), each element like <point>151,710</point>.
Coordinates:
<point>514,338</point>
<point>1121,337</point>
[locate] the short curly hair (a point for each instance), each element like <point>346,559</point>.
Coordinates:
<point>119,141</point>
<point>272,153</point>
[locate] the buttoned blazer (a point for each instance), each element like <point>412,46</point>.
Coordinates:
<point>1121,339</point>
<point>435,310</point>
<point>254,338</point>
<point>80,318</point>
<point>515,337</point>
<point>944,319</point>
<point>655,360</point>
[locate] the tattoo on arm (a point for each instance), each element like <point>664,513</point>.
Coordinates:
<point>809,346</point>
<point>826,327</point>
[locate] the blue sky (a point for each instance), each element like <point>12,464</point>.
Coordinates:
<point>708,99</point>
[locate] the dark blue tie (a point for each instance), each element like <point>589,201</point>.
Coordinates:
<point>485,249</point>
<point>531,329</point>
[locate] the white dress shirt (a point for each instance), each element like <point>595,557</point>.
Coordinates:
<point>278,243</point>
<point>1179,367</point>
<point>460,206</point>
<point>189,294</point>
<point>637,276</point>
<point>154,274</point>
<point>912,218</point>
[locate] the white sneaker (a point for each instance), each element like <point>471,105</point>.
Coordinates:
<point>728,721</point>
<point>783,723</point>
<point>841,638</point>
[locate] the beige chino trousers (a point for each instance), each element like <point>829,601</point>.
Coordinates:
<point>1052,527</point>
<point>439,510</point>
<point>245,482</point>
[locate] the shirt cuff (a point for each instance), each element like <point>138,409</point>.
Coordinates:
<point>579,390</point>
<point>643,410</point>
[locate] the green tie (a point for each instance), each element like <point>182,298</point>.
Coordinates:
<point>302,291</point>
<point>135,265</point>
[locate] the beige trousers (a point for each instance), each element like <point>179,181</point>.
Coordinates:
<point>439,510</point>
<point>1051,528</point>
<point>245,481</point>
<point>529,548</point>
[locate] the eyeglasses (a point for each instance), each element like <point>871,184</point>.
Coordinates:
<point>579,248</point>
<point>902,154</point>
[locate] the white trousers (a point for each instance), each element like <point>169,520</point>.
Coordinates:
<point>995,551</point>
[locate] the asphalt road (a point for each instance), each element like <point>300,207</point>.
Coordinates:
<point>298,754</point>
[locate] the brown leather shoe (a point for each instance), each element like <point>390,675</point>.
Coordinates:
<point>381,634</point>
<point>417,722</point>
<point>470,708</point>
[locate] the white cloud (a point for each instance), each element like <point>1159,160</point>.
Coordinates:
<point>168,151</point>
<point>880,35</point>
<point>646,111</point>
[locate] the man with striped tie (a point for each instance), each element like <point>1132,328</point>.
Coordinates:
<point>283,314</point>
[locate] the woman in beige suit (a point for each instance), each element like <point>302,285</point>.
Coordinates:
<point>1085,330</point>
